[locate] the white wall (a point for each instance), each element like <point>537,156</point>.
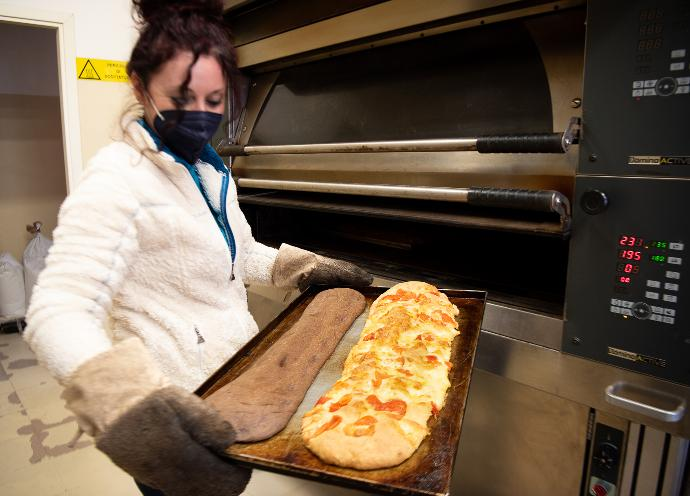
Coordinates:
<point>104,29</point>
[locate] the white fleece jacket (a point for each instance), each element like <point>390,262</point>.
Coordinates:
<point>138,253</point>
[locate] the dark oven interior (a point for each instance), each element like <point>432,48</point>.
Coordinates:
<point>517,268</point>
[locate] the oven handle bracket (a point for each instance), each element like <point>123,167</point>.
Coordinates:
<point>520,143</point>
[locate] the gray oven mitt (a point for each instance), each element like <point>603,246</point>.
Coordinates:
<point>160,434</point>
<point>302,268</point>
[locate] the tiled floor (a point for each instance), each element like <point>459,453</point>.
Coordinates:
<point>35,433</point>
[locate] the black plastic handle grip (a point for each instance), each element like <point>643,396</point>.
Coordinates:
<point>528,143</point>
<point>230,150</point>
<point>522,199</point>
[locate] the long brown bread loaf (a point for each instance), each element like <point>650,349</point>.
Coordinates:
<point>260,402</point>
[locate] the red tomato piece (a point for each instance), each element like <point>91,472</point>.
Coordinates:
<point>380,376</point>
<point>340,403</point>
<point>331,424</point>
<point>366,420</point>
<point>397,407</point>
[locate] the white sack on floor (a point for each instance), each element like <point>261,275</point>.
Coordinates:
<point>12,296</point>
<point>35,261</point>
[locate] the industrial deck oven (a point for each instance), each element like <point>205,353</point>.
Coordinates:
<point>537,150</point>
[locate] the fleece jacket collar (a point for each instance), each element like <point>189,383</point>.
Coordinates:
<point>208,156</point>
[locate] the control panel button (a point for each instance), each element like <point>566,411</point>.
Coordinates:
<point>672,274</point>
<point>682,90</point>
<point>656,318</point>
<point>670,312</point>
<point>682,80</point>
<point>671,286</point>
<point>653,284</point>
<point>668,320</point>
<point>666,86</point>
<point>651,295</point>
<point>650,83</point>
<point>657,310</point>
<point>678,53</point>
<point>615,301</point>
<point>627,311</point>
<point>641,310</point>
<point>627,304</point>
<point>615,309</point>
<point>650,92</point>
<point>636,93</point>
<point>676,246</point>
<point>670,298</point>
<point>675,260</point>
<point>677,66</point>
<point>640,84</point>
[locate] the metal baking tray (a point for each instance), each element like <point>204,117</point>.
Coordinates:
<point>427,472</point>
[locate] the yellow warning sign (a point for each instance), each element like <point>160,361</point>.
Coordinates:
<point>112,71</point>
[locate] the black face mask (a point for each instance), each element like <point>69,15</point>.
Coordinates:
<point>186,132</point>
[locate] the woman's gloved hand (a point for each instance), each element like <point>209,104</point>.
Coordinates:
<point>302,268</point>
<point>160,434</point>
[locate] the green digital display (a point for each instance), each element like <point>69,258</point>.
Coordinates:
<point>659,244</point>
<point>658,258</point>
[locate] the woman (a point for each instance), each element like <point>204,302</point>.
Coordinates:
<point>143,294</point>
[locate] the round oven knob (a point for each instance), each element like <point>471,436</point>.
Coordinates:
<point>594,201</point>
<point>641,310</point>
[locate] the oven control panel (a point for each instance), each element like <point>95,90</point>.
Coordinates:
<point>636,89</point>
<point>646,281</point>
<point>661,55</point>
<point>627,299</point>
<point>627,296</point>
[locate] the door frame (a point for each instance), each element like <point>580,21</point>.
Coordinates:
<point>63,23</point>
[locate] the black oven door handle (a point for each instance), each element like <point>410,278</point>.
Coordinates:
<point>522,199</point>
<point>527,143</point>
<point>532,143</point>
<point>514,143</point>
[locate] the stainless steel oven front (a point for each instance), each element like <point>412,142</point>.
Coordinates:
<point>537,150</point>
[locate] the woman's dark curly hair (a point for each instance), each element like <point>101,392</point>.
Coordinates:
<point>167,27</point>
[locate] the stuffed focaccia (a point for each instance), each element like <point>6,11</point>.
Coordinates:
<point>394,380</point>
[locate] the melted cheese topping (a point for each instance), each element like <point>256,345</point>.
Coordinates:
<point>397,372</point>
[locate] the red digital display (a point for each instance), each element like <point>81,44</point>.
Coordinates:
<point>628,268</point>
<point>627,240</point>
<point>630,254</point>
<point>630,250</point>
